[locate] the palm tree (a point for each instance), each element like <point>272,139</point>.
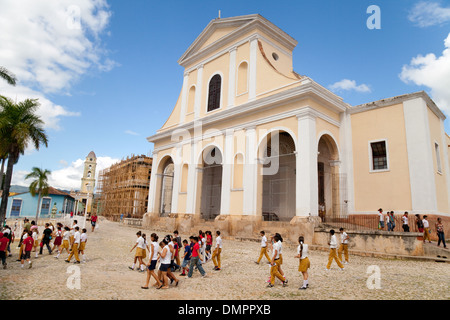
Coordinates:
<point>3,158</point>
<point>39,185</point>
<point>19,126</point>
<point>8,76</point>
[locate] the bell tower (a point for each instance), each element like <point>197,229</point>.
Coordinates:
<point>88,179</point>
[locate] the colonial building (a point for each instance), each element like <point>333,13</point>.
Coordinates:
<point>250,141</point>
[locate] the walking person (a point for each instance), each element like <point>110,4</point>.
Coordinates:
<point>35,236</point>
<point>217,252</point>
<point>405,224</point>
<point>186,257</point>
<point>154,246</point>
<point>343,246</point>
<point>27,246</point>
<point>276,262</point>
<point>195,259</point>
<point>46,237</point>
<point>426,229</point>
<point>381,219</point>
<point>302,254</point>
<point>58,238</point>
<point>83,241</point>
<point>392,219</point>
<point>93,221</point>
<point>140,252</point>
<point>263,251</point>
<point>419,223</point>
<point>165,257</point>
<point>332,255</point>
<point>4,241</point>
<point>177,239</point>
<point>65,242</point>
<point>440,232</point>
<point>75,246</point>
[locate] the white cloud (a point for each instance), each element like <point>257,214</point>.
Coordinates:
<point>49,45</point>
<point>348,85</point>
<point>432,72</point>
<point>131,133</point>
<point>67,178</point>
<point>426,14</point>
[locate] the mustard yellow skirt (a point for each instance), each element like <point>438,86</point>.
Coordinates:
<point>140,253</point>
<point>304,265</point>
<point>65,244</point>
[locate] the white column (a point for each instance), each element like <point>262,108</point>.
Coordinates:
<point>252,69</point>
<point>176,179</point>
<point>250,172</point>
<point>184,93</point>
<point>347,158</point>
<point>232,77</point>
<point>420,157</point>
<point>306,177</point>
<point>198,92</point>
<point>227,165</point>
<point>152,187</point>
<point>192,174</point>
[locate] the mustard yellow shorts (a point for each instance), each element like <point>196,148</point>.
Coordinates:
<point>304,265</point>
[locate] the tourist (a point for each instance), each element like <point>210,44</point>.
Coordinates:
<point>440,232</point>
<point>302,254</point>
<point>392,219</point>
<point>75,246</point>
<point>426,229</point>
<point>203,247</point>
<point>140,252</point>
<point>93,221</point>
<point>83,240</point>
<point>46,237</point>
<point>217,252</point>
<point>332,255</point>
<point>343,246</point>
<point>263,251</point>
<point>209,243</point>
<point>186,257</point>
<point>405,225</point>
<point>276,262</point>
<point>152,261</point>
<point>195,259</point>
<point>381,219</point>
<point>27,246</point>
<point>419,223</point>
<point>4,241</point>
<point>65,242</point>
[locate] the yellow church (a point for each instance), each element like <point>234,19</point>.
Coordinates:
<point>251,143</point>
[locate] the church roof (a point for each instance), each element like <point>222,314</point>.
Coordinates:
<point>91,155</point>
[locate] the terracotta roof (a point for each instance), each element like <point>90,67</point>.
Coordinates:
<point>54,191</point>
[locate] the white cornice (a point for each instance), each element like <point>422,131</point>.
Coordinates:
<point>309,89</point>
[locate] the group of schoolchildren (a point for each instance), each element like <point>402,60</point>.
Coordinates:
<point>276,260</point>
<point>65,238</point>
<point>165,256</point>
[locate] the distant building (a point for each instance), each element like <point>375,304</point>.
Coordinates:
<point>87,185</point>
<point>25,205</point>
<point>124,187</point>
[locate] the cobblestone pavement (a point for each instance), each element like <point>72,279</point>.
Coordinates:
<point>106,275</point>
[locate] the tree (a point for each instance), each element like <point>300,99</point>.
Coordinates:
<point>19,126</point>
<point>39,185</point>
<point>3,158</point>
<point>7,76</point>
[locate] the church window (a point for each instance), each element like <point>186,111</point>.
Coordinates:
<point>215,86</point>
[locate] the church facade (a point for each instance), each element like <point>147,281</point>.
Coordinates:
<point>250,142</point>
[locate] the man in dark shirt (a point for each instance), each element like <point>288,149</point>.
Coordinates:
<point>46,239</point>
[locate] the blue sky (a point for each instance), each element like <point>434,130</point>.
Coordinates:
<point>113,82</point>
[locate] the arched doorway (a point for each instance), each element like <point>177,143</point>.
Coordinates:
<point>329,179</point>
<point>278,176</point>
<point>211,180</point>
<point>166,175</point>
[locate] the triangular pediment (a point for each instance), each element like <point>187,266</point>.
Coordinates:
<point>222,31</point>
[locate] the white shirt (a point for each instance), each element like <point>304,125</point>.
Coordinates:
<point>83,237</point>
<point>277,248</point>
<point>263,242</point>
<point>304,252</point>
<point>425,223</point>
<point>167,258</point>
<point>72,231</point>
<point>343,236</point>
<point>219,242</point>
<point>333,242</point>
<point>35,236</point>
<point>381,216</point>
<point>155,250</point>
<point>77,237</point>
<point>140,243</point>
<point>405,219</point>
<point>66,235</point>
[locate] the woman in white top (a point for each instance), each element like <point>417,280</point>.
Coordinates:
<point>35,240</point>
<point>140,252</point>
<point>302,254</point>
<point>152,262</point>
<point>65,242</point>
<point>164,258</point>
<point>170,274</point>
<point>275,263</point>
